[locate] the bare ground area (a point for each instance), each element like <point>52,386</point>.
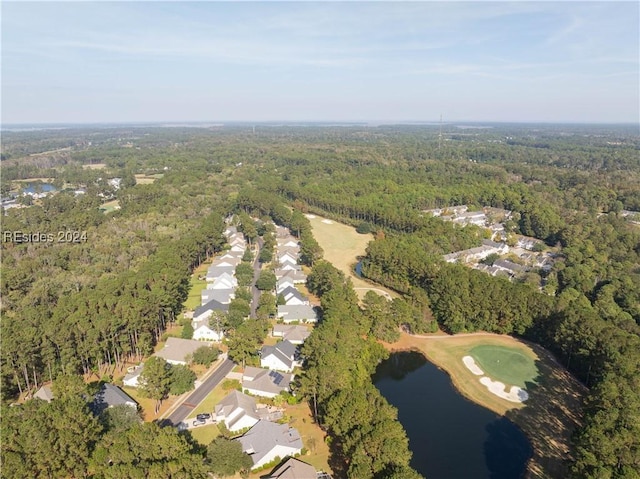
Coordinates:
<point>548,417</point>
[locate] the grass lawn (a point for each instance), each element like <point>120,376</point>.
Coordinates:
<point>205,434</point>
<point>548,417</point>
<point>196,286</point>
<point>110,206</point>
<point>342,246</point>
<point>207,405</point>
<point>507,365</point>
<point>312,436</point>
<point>142,179</point>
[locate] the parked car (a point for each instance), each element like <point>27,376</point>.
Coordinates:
<point>199,422</point>
<point>204,416</point>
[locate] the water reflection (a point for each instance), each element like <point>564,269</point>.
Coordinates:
<point>451,437</point>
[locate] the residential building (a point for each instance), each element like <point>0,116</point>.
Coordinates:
<point>110,396</point>
<point>282,356</point>
<point>295,334</point>
<point>267,441</point>
<point>45,393</point>
<point>304,313</point>
<point>178,350</point>
<point>293,468</point>
<point>265,383</point>
<point>238,411</point>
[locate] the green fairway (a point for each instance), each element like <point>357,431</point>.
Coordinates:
<point>507,365</point>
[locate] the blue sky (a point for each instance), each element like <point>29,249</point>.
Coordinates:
<point>306,61</point>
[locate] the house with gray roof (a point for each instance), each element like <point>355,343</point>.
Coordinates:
<point>132,376</point>
<point>293,297</point>
<point>295,334</point>
<point>110,396</point>
<point>296,275</point>
<point>293,468</point>
<point>45,393</point>
<point>282,356</point>
<point>237,411</point>
<point>266,441</point>
<point>202,331</point>
<point>265,383</point>
<point>303,313</point>
<point>178,350</point>
<point>217,272</point>
<point>509,266</point>
<point>204,312</point>
<point>222,295</point>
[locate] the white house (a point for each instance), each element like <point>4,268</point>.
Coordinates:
<point>202,332</point>
<point>293,297</point>
<point>132,376</point>
<point>287,257</point>
<point>205,311</point>
<point>237,411</point>
<point>223,281</point>
<point>282,356</point>
<point>295,334</point>
<point>221,295</point>
<point>265,383</point>
<point>284,283</point>
<point>178,350</point>
<point>288,242</point>
<point>266,441</point>
<point>302,313</point>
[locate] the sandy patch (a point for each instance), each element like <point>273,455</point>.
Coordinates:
<point>515,394</point>
<point>311,217</point>
<point>328,222</point>
<point>471,365</point>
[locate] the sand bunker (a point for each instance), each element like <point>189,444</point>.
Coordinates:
<point>311,216</point>
<point>329,222</point>
<point>471,365</point>
<point>515,394</point>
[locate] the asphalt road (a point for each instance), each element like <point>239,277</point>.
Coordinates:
<point>199,394</point>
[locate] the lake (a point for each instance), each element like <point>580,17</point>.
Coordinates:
<point>38,187</point>
<point>450,436</point>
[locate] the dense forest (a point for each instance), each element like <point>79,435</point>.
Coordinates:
<point>70,308</point>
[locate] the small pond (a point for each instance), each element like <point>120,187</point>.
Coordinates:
<point>450,436</point>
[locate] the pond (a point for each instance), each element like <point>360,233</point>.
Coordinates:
<point>450,436</point>
<point>38,188</point>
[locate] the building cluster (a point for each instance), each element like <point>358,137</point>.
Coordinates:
<point>524,257</point>
<point>264,439</point>
<point>221,287</point>
<point>296,307</point>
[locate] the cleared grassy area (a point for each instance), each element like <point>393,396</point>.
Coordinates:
<point>312,436</point>
<point>342,246</point>
<point>205,434</point>
<point>548,417</point>
<point>142,179</point>
<point>95,166</point>
<point>507,365</point>
<point>196,286</point>
<point>110,206</point>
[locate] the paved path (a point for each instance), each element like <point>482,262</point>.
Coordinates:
<point>197,396</point>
